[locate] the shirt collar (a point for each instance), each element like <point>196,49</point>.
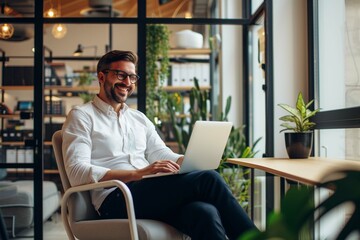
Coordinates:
<point>105,107</point>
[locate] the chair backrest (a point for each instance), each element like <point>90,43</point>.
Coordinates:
<point>80,206</point>
<point>57,146</point>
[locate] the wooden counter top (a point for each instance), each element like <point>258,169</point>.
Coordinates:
<point>311,171</point>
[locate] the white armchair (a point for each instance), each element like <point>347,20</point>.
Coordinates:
<point>81,220</point>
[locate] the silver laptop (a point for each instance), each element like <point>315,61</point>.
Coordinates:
<point>206,146</point>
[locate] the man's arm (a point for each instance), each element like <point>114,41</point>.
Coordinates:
<point>134,175</point>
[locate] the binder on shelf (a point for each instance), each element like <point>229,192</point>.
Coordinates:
<point>20,155</point>
<point>11,155</point>
<point>29,155</point>
<point>183,75</point>
<point>18,76</point>
<point>11,135</point>
<point>205,75</point>
<point>54,106</point>
<point>190,74</point>
<point>175,74</point>
<point>198,71</point>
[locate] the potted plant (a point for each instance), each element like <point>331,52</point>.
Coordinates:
<point>299,140</point>
<point>237,178</point>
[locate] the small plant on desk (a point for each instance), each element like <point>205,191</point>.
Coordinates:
<point>300,136</point>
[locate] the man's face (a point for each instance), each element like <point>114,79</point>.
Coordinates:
<point>117,91</point>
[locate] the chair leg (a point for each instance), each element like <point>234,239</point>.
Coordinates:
<point>3,232</point>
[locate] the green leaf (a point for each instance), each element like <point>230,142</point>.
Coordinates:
<point>299,116</point>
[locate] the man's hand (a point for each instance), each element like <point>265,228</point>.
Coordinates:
<point>159,166</point>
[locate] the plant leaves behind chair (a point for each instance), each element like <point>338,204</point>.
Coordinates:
<point>297,210</point>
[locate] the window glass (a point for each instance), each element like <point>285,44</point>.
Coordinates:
<point>255,4</point>
<point>339,53</point>
<point>339,79</point>
<point>256,82</point>
<point>257,113</point>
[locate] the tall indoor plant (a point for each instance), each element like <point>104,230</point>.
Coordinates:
<point>182,124</point>
<point>300,136</point>
<point>157,70</point>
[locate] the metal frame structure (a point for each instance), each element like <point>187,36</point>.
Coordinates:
<point>141,21</point>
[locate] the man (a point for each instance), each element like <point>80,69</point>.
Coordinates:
<point>105,139</point>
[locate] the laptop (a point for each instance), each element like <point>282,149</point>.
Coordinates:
<point>205,148</point>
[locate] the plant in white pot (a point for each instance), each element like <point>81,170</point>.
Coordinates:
<point>299,139</point>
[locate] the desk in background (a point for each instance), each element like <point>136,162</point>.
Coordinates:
<point>309,171</point>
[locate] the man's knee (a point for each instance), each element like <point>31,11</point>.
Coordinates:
<point>205,211</point>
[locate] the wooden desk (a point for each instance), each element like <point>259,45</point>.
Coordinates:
<point>309,171</point>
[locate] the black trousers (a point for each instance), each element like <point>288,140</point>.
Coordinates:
<point>199,204</point>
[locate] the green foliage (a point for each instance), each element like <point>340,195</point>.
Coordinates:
<point>157,70</point>
<point>182,127</point>
<point>298,209</point>
<point>86,97</point>
<point>236,178</point>
<point>85,78</point>
<point>299,118</point>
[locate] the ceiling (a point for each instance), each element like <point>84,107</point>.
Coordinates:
<point>125,8</point>
<point>100,8</point>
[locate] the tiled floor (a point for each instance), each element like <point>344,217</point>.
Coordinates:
<point>52,230</point>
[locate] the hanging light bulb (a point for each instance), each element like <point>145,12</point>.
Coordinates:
<point>59,30</point>
<point>6,30</point>
<point>52,12</point>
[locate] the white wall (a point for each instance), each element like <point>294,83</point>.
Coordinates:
<point>231,64</point>
<point>290,60</point>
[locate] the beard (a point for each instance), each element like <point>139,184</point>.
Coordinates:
<point>112,93</point>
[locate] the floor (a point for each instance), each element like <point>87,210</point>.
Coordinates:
<point>52,230</point>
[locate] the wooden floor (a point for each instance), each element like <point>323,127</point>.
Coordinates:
<point>52,230</point>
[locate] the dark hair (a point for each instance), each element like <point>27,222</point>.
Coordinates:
<point>114,56</point>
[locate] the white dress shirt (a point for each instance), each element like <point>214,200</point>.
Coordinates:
<point>96,139</point>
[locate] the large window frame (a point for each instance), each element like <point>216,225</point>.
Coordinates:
<point>141,21</point>
<point>332,119</point>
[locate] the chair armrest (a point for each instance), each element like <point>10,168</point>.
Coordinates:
<point>91,186</point>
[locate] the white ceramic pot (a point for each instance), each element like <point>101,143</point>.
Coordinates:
<point>188,39</point>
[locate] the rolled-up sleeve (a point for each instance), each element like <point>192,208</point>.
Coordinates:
<point>76,148</point>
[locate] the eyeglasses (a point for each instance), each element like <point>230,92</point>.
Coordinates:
<point>121,75</point>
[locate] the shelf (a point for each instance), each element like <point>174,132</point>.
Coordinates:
<point>16,88</point>
<point>54,115</point>
<point>12,116</point>
<point>20,143</point>
<point>73,88</point>
<point>46,171</point>
<point>17,116</point>
<point>59,88</point>
<point>182,88</point>
<point>190,51</point>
